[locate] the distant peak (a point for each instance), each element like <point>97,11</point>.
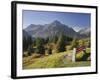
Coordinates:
<point>56,22</point>
<point>31,25</point>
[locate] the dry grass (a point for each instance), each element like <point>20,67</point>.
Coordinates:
<point>51,61</point>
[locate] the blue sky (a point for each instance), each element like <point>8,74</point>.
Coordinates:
<point>75,20</point>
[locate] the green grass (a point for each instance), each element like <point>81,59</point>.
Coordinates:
<point>53,61</point>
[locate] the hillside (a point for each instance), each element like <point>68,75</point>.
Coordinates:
<point>52,29</point>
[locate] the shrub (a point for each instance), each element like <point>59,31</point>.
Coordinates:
<point>87,42</point>
<point>89,58</point>
<point>30,50</point>
<point>87,54</point>
<point>48,51</point>
<point>80,42</point>
<point>36,55</point>
<point>25,54</point>
<point>79,55</point>
<point>74,43</point>
<point>40,50</point>
<point>88,50</point>
<point>54,51</point>
<point>68,47</point>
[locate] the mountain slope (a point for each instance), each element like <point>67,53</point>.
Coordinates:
<point>52,29</point>
<point>25,34</point>
<point>85,31</point>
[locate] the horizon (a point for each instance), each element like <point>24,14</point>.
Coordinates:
<point>77,21</point>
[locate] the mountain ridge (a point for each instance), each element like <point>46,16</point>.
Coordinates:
<point>51,29</point>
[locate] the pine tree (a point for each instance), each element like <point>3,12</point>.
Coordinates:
<point>60,47</point>
<point>55,38</point>
<point>27,41</point>
<point>74,43</point>
<point>40,46</point>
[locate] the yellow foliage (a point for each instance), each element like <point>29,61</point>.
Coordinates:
<point>79,55</point>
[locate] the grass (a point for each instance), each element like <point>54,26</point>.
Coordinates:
<point>52,61</point>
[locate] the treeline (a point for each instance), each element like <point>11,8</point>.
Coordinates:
<point>27,41</point>
<point>46,45</point>
<point>52,45</point>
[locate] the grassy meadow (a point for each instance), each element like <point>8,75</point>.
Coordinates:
<point>51,61</point>
<point>56,53</point>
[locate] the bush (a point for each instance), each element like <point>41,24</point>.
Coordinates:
<point>81,43</point>
<point>89,58</point>
<point>83,55</point>
<point>74,43</point>
<point>30,50</point>
<point>25,54</point>
<point>49,51</point>
<point>40,50</point>
<point>36,55</point>
<point>54,51</point>
<point>87,42</point>
<point>88,50</point>
<point>68,48</point>
<point>87,54</point>
<point>79,56</point>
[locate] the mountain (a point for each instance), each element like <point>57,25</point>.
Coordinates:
<point>52,29</point>
<point>85,31</point>
<point>25,34</point>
